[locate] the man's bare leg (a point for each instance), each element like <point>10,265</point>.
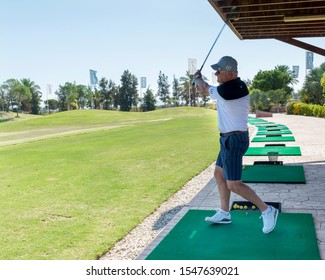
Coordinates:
<point>224,191</point>
<point>246,192</point>
<point>225,188</point>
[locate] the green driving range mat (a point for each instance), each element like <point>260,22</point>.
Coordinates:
<point>294,238</point>
<point>257,121</point>
<point>267,129</point>
<point>282,151</point>
<point>274,139</point>
<point>269,125</point>
<point>267,132</point>
<point>273,174</point>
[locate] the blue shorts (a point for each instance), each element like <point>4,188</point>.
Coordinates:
<point>230,158</point>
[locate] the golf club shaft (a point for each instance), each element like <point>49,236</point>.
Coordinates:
<point>215,41</point>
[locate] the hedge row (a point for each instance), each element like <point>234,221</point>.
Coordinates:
<point>299,108</point>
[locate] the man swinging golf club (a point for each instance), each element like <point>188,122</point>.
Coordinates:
<point>232,98</point>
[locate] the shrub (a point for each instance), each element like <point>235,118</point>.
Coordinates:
<point>290,108</point>
<point>296,108</point>
<point>319,111</point>
<point>299,108</point>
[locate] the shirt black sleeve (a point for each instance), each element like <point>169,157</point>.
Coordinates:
<point>233,89</point>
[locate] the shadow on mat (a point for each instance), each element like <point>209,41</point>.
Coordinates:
<point>166,217</point>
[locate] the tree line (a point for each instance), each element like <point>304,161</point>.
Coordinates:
<point>21,94</point>
<point>267,89</point>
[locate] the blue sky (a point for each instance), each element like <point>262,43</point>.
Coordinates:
<point>58,41</point>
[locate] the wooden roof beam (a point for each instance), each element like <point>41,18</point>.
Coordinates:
<point>303,45</point>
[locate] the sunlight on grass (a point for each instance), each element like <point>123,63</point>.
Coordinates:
<point>73,197</point>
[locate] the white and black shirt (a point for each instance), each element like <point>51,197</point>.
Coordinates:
<point>232,105</point>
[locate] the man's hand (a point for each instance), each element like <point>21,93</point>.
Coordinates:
<point>198,75</point>
<point>200,83</point>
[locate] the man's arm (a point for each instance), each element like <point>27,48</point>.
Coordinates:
<point>202,85</point>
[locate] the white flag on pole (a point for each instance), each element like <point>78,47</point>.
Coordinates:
<point>295,71</point>
<point>48,90</point>
<point>93,77</point>
<point>143,82</point>
<point>309,60</point>
<point>192,66</point>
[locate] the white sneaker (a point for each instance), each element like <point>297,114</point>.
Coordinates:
<point>269,220</point>
<point>219,218</point>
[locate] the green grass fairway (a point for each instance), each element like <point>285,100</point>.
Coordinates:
<point>74,196</point>
<point>294,238</point>
<point>25,129</point>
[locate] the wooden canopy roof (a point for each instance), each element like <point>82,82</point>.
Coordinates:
<point>284,20</point>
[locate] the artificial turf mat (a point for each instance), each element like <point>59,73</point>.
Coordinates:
<point>254,120</point>
<point>269,125</point>
<point>282,151</point>
<point>294,238</point>
<point>272,128</point>
<point>273,174</point>
<point>274,139</point>
<point>266,132</point>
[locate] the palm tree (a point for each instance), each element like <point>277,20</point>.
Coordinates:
<point>322,82</point>
<point>189,92</point>
<point>187,88</point>
<point>36,94</point>
<point>285,69</point>
<point>312,91</point>
<point>21,92</point>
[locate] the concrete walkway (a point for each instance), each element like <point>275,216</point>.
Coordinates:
<point>309,133</point>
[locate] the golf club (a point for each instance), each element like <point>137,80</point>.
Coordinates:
<point>215,41</point>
